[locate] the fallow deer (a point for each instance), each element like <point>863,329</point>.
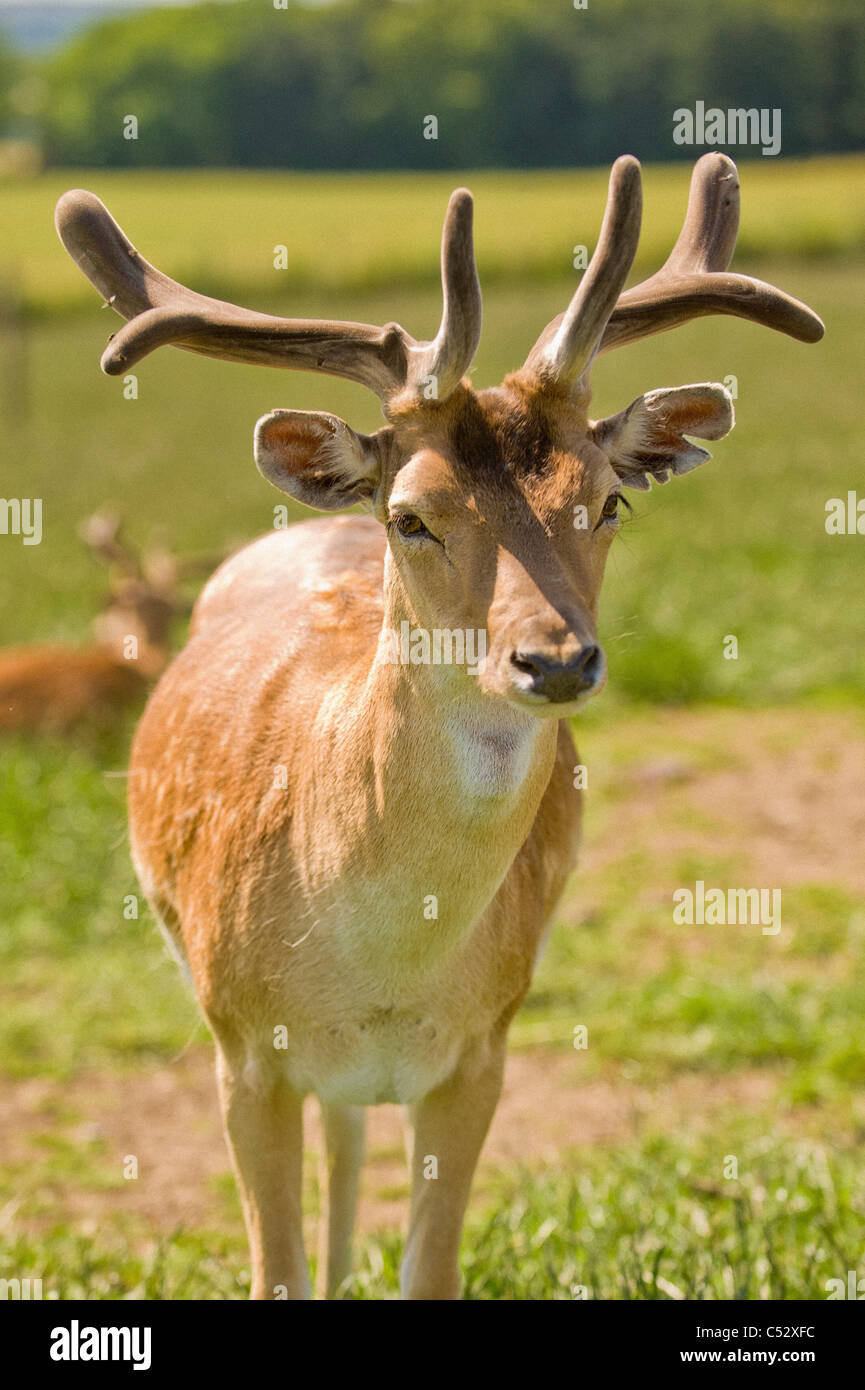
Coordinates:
<point>357,858</point>
<point>57,687</point>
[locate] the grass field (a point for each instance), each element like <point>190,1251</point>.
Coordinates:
<point>608,1169</point>
<point>359,232</point>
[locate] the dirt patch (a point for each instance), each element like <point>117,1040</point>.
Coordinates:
<point>169,1120</point>
<point>782,791</point>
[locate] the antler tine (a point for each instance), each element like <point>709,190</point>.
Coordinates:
<point>101,532</point>
<point>448,357</point>
<point>693,282</point>
<point>568,344</point>
<point>708,236</point>
<point>161,311</point>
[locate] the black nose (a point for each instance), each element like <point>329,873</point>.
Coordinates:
<point>561,681</point>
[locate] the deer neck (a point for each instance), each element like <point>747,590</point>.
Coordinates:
<point>444,785</point>
<point>486,758</point>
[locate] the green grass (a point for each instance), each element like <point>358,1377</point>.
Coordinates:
<point>84,984</point>
<point>656,1221</point>
<point>714,1000</point>
<point>217,230</point>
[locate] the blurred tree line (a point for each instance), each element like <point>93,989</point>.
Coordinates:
<point>510,82</point>
<point>9,70</point>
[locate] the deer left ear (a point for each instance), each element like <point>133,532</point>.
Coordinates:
<point>316,458</point>
<point>647,441</point>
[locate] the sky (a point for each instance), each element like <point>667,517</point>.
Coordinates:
<point>35,26</point>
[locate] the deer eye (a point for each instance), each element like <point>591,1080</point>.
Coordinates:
<point>610,509</point>
<point>407,524</point>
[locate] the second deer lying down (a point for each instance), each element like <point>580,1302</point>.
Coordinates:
<point>54,687</point>
<point>358,856</point>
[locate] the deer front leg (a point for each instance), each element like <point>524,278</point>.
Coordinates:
<point>263,1124</point>
<point>450,1125</point>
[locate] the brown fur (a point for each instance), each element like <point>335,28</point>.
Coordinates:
<point>57,688</point>
<point>297,900</point>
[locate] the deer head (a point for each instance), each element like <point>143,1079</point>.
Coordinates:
<point>500,505</point>
<point>145,594</point>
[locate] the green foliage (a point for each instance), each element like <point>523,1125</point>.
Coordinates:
<point>512,83</point>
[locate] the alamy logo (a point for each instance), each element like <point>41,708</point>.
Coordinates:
<point>845,516</point>
<point>20,1290</point>
<point>854,1288</point>
<point>76,1343</point>
<point>736,126</point>
<point>711,907</point>
<point>21,516</point>
<point>416,646</point>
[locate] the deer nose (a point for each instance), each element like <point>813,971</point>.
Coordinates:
<point>561,680</point>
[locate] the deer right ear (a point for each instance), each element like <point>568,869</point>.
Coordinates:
<point>649,440</point>
<point>316,458</point>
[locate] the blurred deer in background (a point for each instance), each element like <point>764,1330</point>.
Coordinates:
<point>58,687</point>
<point>358,857</point>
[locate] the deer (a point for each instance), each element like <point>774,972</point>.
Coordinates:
<point>357,858</point>
<point>57,687</point>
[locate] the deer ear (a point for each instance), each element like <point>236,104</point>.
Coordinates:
<point>316,458</point>
<point>647,441</point>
